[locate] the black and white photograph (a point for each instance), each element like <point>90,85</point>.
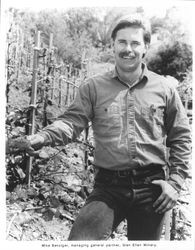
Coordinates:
<point>97,104</point>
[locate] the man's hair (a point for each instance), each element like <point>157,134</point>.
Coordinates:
<point>132,21</point>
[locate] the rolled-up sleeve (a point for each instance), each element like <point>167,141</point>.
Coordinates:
<point>178,139</point>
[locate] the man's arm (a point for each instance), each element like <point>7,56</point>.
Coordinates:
<point>69,125</point>
<point>179,142</point>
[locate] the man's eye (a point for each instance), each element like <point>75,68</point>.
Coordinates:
<point>135,43</point>
<point>122,42</point>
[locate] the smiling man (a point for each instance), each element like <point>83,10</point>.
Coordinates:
<point>135,114</point>
<point>129,48</point>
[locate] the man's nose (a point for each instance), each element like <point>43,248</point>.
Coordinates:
<point>128,47</point>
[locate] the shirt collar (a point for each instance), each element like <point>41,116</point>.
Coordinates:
<point>145,72</point>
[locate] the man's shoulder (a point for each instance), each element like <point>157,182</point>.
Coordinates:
<point>97,81</point>
<point>99,78</point>
<point>166,80</point>
<point>102,76</point>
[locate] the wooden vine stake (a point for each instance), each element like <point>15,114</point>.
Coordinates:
<point>51,64</point>
<point>33,100</point>
<point>168,225</point>
<point>60,92</point>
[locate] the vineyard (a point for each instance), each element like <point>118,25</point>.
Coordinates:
<point>44,193</point>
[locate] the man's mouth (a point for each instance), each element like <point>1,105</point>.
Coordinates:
<point>128,57</point>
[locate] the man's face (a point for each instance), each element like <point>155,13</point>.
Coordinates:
<point>129,48</point>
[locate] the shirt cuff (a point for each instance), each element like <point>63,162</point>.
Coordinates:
<point>176,181</point>
<point>47,138</point>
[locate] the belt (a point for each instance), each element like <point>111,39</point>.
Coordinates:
<point>133,172</point>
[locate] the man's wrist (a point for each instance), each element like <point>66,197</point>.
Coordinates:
<point>39,140</point>
<point>46,140</point>
<point>175,185</point>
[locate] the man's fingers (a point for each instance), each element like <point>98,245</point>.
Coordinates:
<point>167,199</point>
<point>159,200</point>
<point>157,182</point>
<point>169,206</point>
<point>165,206</point>
<point>36,141</point>
<point>38,153</point>
<point>30,151</point>
<point>162,206</point>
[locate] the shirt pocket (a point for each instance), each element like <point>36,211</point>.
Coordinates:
<point>153,119</point>
<point>107,119</point>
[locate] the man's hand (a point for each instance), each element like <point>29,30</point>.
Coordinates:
<point>167,199</point>
<point>27,144</point>
<point>36,141</point>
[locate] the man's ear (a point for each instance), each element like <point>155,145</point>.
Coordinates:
<point>112,45</point>
<point>147,45</point>
<point>146,49</point>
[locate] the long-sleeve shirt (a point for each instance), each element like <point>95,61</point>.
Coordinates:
<point>132,125</point>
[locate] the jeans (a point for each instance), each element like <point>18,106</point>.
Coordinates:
<point>116,197</point>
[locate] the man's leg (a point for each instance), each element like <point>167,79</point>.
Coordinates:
<point>96,221</point>
<point>145,226</point>
<point>143,222</point>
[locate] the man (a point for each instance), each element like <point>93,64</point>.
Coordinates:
<point>135,114</point>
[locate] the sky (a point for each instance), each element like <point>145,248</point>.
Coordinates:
<point>186,8</point>
<point>151,7</point>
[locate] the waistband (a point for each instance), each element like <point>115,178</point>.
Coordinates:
<point>139,171</point>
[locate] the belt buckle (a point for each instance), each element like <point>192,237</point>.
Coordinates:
<point>134,172</point>
<point>122,173</point>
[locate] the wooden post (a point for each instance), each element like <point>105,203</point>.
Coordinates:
<point>33,100</point>
<point>74,89</point>
<point>173,226</point>
<point>83,65</point>
<point>53,83</point>
<point>45,93</point>
<point>68,86</point>
<point>168,225</point>
<point>67,93</point>
<point>50,41</point>
<point>60,91</point>
<point>51,61</point>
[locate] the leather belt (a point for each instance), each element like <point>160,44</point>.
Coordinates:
<point>133,172</point>
<point>119,173</point>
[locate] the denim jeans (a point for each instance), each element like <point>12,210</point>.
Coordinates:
<point>115,198</point>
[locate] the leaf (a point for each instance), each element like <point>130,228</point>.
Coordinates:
<point>8,195</point>
<point>22,195</point>
<point>74,183</point>
<point>21,173</point>
<point>66,198</point>
<point>44,155</point>
<point>184,213</point>
<point>23,218</point>
<point>49,102</point>
<point>32,192</point>
<point>67,215</point>
<point>72,180</point>
<point>54,202</point>
<point>18,158</point>
<point>49,214</point>
<point>12,159</point>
